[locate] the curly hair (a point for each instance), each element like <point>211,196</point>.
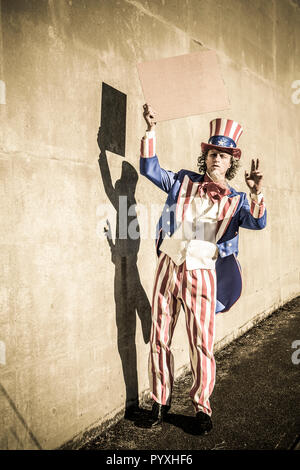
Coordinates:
<point>230,173</point>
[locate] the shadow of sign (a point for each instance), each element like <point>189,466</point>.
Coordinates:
<point>113,119</point>
<point>129,294</point>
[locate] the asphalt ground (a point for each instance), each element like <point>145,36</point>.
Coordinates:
<point>255,403</point>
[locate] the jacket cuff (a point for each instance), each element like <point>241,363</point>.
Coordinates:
<point>148,145</point>
<point>257,208</point>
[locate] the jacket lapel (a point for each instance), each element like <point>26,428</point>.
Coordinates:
<point>227,209</point>
<point>186,195</point>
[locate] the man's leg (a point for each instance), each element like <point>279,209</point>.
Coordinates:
<point>165,310</point>
<point>199,298</point>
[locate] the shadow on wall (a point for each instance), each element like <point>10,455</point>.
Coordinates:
<point>130,296</point>
<point>20,419</point>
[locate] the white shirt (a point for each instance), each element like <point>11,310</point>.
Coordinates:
<point>194,241</point>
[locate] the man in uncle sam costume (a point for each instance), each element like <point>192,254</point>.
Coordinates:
<point>197,248</point>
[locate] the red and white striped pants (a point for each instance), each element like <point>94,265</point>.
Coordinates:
<point>196,291</point>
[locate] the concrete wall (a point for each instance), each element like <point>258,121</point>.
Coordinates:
<point>72,312</point>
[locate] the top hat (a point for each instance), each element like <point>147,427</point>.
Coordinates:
<point>224,134</point>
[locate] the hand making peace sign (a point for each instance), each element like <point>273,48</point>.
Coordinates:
<point>254,178</point>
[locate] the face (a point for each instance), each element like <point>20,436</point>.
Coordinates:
<point>218,162</point>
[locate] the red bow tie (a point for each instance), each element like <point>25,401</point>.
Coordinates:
<point>214,190</point>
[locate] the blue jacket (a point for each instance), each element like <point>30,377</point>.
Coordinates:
<point>228,270</point>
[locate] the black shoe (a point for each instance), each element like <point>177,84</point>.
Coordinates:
<point>159,413</point>
<point>204,422</point>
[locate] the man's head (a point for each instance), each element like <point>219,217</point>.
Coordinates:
<point>220,155</point>
<point>218,164</point>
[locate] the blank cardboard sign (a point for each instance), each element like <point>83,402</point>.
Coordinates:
<point>183,85</point>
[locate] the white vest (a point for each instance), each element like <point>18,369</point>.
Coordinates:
<point>194,241</point>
